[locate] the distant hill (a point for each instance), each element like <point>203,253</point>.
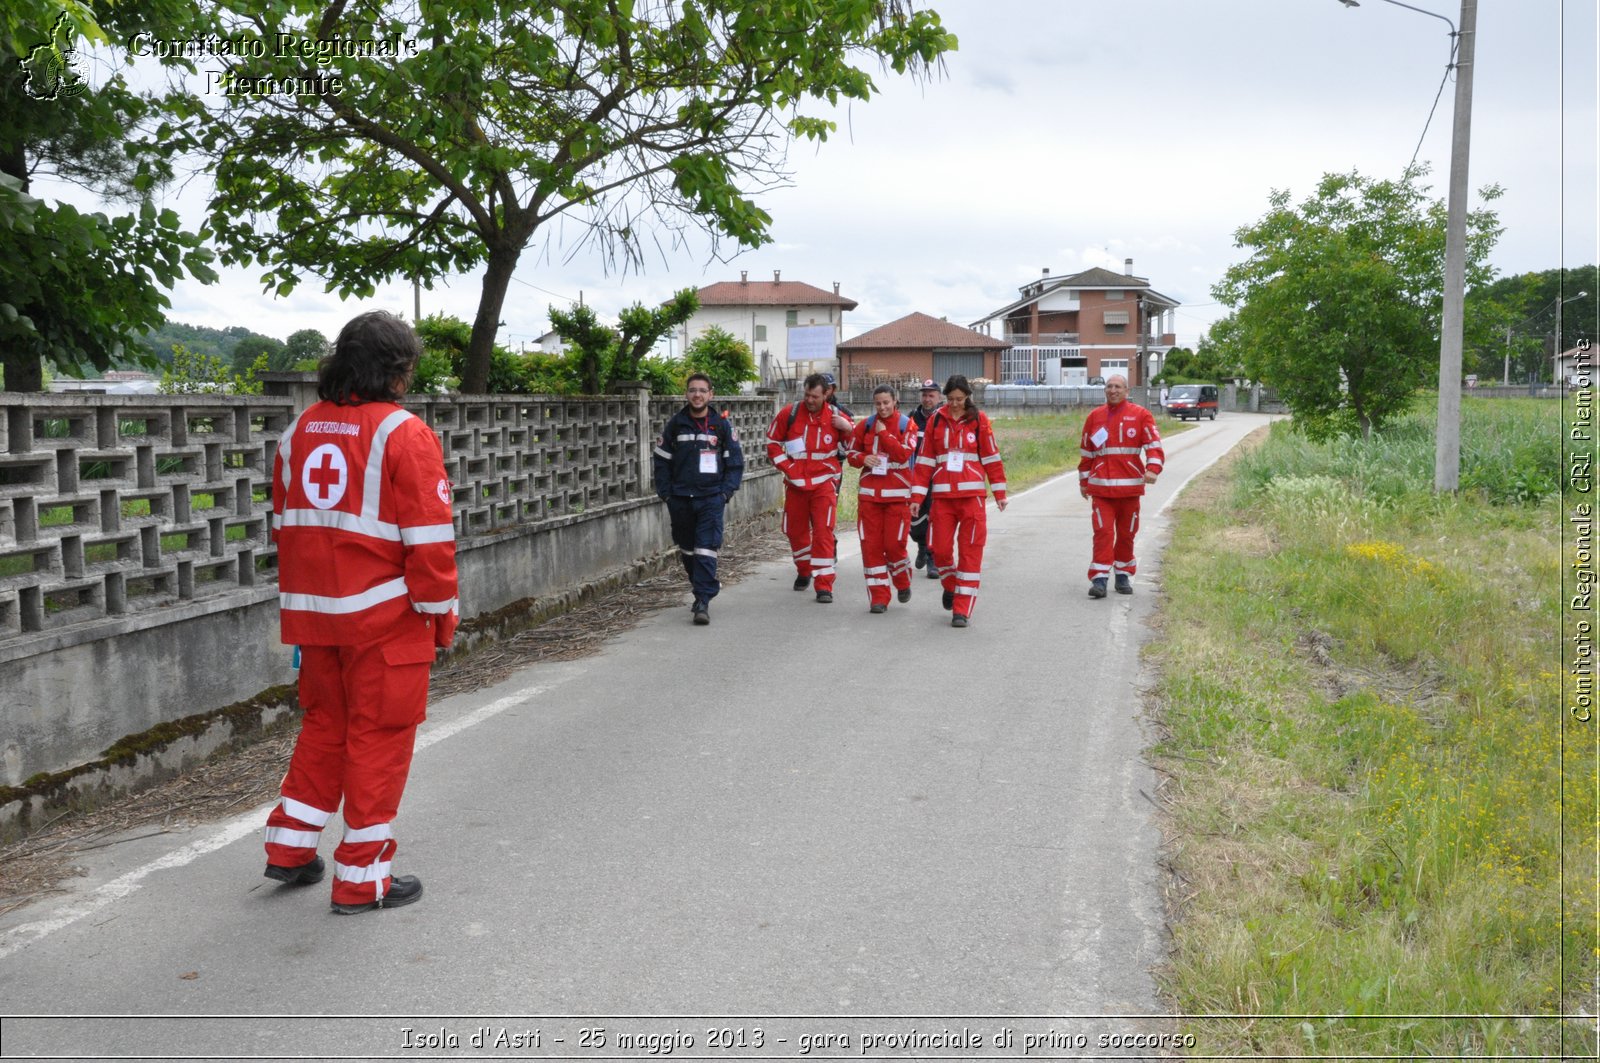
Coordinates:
<point>197,339</point>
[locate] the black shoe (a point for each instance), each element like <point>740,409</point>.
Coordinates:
<point>949,599</point>
<point>1123,586</point>
<point>305,875</point>
<point>702,615</point>
<point>957,620</point>
<point>922,557</point>
<point>905,595</point>
<point>1097,588</point>
<point>825,597</point>
<point>933,572</point>
<point>878,607</point>
<point>403,890</point>
<point>802,582</point>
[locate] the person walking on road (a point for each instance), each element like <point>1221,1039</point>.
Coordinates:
<point>958,463</point>
<point>698,466</point>
<point>882,446</point>
<point>367,590</point>
<point>1121,453</point>
<point>919,514</point>
<point>803,444</point>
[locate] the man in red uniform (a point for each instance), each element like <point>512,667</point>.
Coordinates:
<point>803,444</point>
<point>958,463</point>
<point>1121,452</point>
<point>367,590</point>
<point>882,447</point>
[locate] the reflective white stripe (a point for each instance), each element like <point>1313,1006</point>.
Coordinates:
<point>1121,450</point>
<point>780,459</point>
<point>969,591</point>
<point>332,518</point>
<point>348,873</point>
<point>304,812</point>
<point>822,479</point>
<point>297,839</point>
<point>428,533</point>
<point>999,487</point>
<point>1124,566</point>
<point>1099,568</point>
<point>685,553</point>
<point>942,488</point>
<point>881,581</point>
<point>372,489</point>
<point>702,552</point>
<point>319,603</point>
<point>991,458</point>
<point>929,462</point>
<point>380,832</point>
<point>697,437</point>
<point>1086,453</point>
<point>798,554</point>
<point>822,455</point>
<point>451,606</point>
<point>664,453</point>
<point>876,570</point>
<point>973,576</point>
<point>283,452</point>
<point>1116,483</point>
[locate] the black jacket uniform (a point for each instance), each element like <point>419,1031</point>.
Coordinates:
<point>677,463</point>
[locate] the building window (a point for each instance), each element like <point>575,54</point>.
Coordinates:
<point>791,318</point>
<point>1113,297</point>
<point>1116,322</point>
<point>1115,330</point>
<point>761,333</point>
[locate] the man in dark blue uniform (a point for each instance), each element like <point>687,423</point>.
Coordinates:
<point>698,466</point>
<point>932,399</point>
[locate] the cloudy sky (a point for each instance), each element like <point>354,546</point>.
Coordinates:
<point>1071,133</point>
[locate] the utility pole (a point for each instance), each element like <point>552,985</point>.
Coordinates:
<point>1447,456</point>
<point>416,301</point>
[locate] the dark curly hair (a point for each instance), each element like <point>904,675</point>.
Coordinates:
<point>372,360</point>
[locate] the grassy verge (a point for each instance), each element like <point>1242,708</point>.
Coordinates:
<point>1373,808</point>
<point>1034,448</point>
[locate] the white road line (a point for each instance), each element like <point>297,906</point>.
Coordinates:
<point>231,831</point>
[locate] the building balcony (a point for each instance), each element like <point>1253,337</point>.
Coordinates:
<point>1046,339</point>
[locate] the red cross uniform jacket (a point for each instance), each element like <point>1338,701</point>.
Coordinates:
<point>957,458</point>
<point>1119,443</point>
<point>362,517</point>
<point>804,446</point>
<point>897,441</point>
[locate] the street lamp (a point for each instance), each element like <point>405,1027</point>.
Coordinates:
<point>1447,455</point>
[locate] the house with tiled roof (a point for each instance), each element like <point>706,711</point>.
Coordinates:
<point>762,312</point>
<point>1067,330</point>
<point>916,347</point>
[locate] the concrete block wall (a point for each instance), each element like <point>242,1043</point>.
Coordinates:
<point>137,575</point>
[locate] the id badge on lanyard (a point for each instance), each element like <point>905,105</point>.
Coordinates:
<point>954,460</point>
<point>708,461</point>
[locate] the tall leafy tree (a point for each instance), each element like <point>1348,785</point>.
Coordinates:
<point>1338,304</point>
<point>80,289</point>
<point>723,357</point>
<point>496,123</point>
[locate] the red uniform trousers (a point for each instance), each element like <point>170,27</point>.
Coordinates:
<point>362,707</point>
<point>808,522</point>
<point>959,525</point>
<point>1116,520</point>
<point>883,527</point>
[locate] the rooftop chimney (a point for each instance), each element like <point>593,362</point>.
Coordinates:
<point>775,275</point>
<point>744,276</point>
<point>1127,266</point>
<point>836,288</point>
<point>1047,271</point>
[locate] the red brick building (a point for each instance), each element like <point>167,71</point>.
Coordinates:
<point>1067,330</point>
<point>914,348</point>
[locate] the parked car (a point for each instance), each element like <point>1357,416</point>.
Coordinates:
<point>1192,400</point>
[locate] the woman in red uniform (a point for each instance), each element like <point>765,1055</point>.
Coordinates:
<point>957,466</point>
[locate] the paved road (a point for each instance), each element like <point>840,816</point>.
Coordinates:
<point>803,810</point>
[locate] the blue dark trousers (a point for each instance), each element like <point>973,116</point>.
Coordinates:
<point>697,532</point>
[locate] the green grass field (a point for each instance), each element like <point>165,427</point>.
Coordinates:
<point>1377,804</point>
